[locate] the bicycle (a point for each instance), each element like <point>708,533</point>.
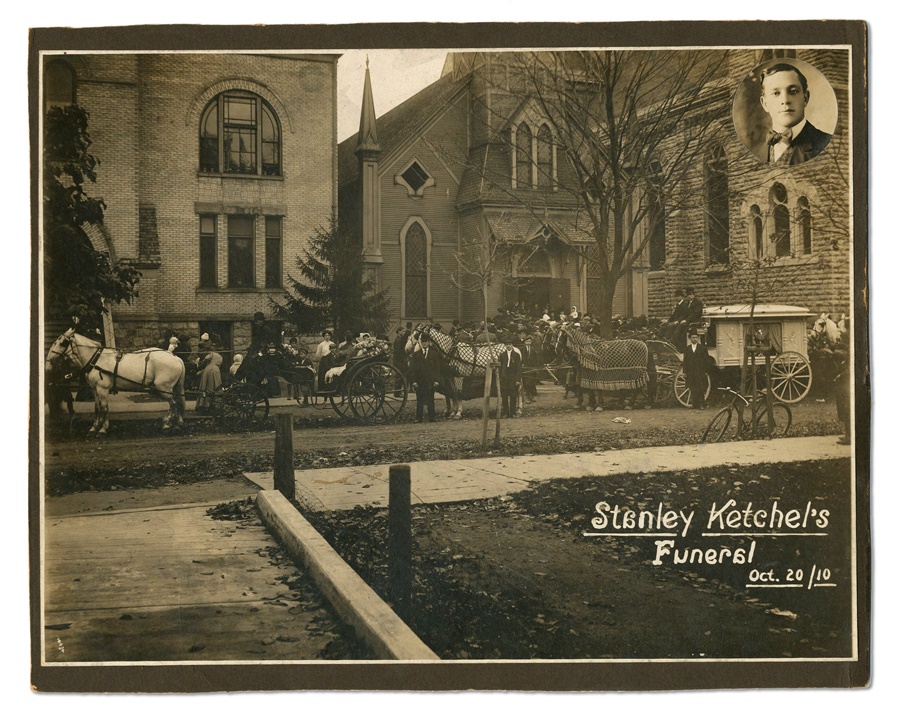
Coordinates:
<point>740,404</point>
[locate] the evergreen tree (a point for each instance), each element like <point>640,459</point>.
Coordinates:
<point>331,289</point>
<point>78,280</point>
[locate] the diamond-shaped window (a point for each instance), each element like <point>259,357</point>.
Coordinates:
<point>415,177</point>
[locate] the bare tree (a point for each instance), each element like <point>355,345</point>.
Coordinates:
<point>629,128</point>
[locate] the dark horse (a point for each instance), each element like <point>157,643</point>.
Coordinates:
<point>624,367</point>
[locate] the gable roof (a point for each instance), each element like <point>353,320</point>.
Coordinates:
<point>400,125</point>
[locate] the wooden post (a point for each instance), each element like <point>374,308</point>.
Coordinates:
<point>770,417</point>
<point>486,406</point>
<point>284,454</point>
<point>400,533</point>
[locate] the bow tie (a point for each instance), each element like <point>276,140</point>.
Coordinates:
<point>777,137</point>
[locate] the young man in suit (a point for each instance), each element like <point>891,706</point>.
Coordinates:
<point>696,368</point>
<point>792,139</point>
<point>425,367</point>
<point>510,370</point>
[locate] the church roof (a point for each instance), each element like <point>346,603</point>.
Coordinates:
<point>401,124</point>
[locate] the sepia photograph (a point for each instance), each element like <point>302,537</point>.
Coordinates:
<point>457,364</point>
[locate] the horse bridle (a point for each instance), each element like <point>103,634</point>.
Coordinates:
<point>68,340</point>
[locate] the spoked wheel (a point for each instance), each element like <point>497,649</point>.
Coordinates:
<point>791,377</point>
<point>683,392</point>
<point>718,426</point>
<point>664,387</point>
<point>781,417</point>
<point>377,392</point>
<point>340,404</point>
<point>243,406</point>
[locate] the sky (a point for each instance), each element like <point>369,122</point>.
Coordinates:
<point>396,76</point>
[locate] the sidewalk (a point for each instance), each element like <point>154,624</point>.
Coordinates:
<point>171,583</point>
<point>440,481</point>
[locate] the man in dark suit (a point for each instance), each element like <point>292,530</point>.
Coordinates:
<point>510,371</point>
<point>792,139</point>
<point>425,367</point>
<point>531,360</point>
<point>696,368</point>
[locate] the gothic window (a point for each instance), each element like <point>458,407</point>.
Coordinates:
<point>416,272</point>
<point>240,134</point>
<point>544,157</point>
<point>656,221</point>
<point>523,156</point>
<point>757,238</point>
<point>781,218</point>
<point>59,85</point>
<point>717,207</point>
<point>804,224</point>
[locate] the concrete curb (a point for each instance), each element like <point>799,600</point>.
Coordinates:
<point>354,601</point>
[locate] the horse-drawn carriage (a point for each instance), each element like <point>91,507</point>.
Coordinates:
<point>365,387</point>
<point>778,331</point>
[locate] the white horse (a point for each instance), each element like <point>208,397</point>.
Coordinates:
<point>824,325</point>
<point>108,370</point>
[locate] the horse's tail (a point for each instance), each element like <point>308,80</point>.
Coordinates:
<point>178,391</point>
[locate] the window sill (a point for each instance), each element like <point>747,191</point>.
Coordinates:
<point>238,291</point>
<point>794,260</point>
<point>237,176</point>
<point>717,270</point>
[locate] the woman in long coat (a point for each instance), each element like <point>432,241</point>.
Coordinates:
<point>210,375</point>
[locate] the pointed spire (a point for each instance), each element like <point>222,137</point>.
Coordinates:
<point>368,134</point>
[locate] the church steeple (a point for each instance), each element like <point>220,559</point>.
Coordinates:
<point>368,152</point>
<point>368,133</point>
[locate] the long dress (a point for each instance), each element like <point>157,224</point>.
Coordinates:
<point>210,378</point>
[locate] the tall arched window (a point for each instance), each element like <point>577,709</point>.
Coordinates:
<point>804,223</point>
<point>59,85</point>
<point>545,156</point>
<point>240,134</point>
<point>523,156</point>
<point>781,218</point>
<point>656,219</point>
<point>717,206</point>
<point>757,239</point>
<point>416,272</point>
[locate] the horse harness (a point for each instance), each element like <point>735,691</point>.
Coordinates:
<point>91,364</point>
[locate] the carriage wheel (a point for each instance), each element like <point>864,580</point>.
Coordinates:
<point>377,392</point>
<point>341,406</point>
<point>791,377</point>
<point>664,382</point>
<point>683,393</point>
<point>243,406</point>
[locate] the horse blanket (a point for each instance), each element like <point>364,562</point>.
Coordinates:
<point>609,365</point>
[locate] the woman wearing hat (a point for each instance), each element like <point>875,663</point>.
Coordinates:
<point>210,363</point>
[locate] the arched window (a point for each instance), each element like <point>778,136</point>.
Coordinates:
<point>656,219</point>
<point>59,85</point>
<point>804,223</point>
<point>717,206</point>
<point>781,217</point>
<point>523,156</point>
<point>240,134</point>
<point>544,157</point>
<point>416,272</point>
<point>757,239</point>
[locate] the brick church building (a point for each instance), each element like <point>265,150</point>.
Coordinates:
<point>469,158</point>
<point>215,170</point>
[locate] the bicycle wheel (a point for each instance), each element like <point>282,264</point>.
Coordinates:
<point>718,426</point>
<point>781,418</point>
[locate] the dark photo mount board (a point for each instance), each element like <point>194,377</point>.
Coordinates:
<point>558,675</point>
